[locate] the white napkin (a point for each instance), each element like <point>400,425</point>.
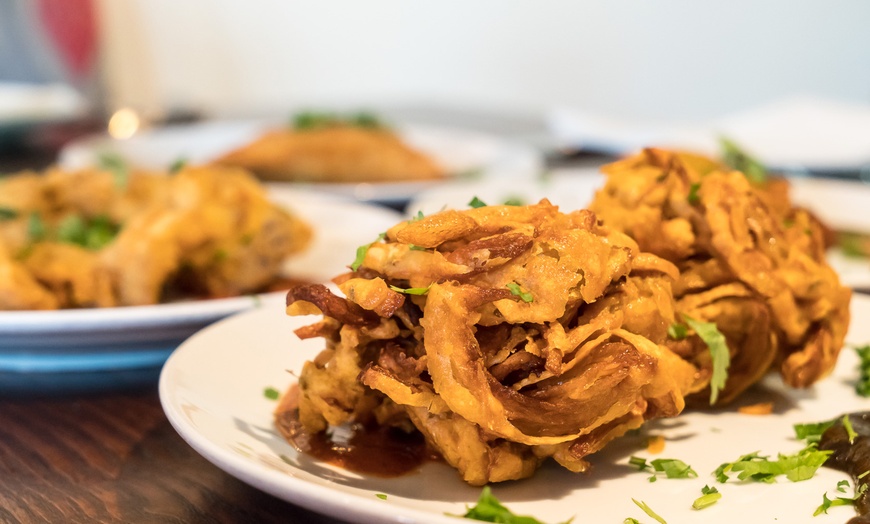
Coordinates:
<point>794,133</point>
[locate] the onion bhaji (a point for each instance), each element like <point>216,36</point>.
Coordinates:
<point>749,261</point>
<point>90,238</point>
<point>333,154</point>
<point>506,335</point>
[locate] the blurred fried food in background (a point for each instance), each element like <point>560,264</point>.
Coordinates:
<point>113,237</point>
<point>324,148</point>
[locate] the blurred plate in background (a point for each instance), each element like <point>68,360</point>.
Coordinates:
<point>84,349</point>
<point>462,153</point>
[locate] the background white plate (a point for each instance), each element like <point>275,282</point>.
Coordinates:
<point>212,389</point>
<point>841,204</point>
<point>68,342</point>
<point>461,152</point>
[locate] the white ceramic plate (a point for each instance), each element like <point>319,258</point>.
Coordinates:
<point>212,389</point>
<point>841,204</point>
<point>461,152</point>
<point>62,344</point>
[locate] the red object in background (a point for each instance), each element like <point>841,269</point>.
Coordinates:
<point>72,27</point>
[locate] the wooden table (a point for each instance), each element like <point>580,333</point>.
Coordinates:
<point>114,457</point>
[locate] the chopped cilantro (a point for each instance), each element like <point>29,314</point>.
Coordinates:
<point>678,331</point>
<point>862,387</point>
<point>513,201</point>
<point>7,213</point>
<point>693,193</point>
<point>362,251</point>
<point>476,203</point>
<point>718,347</point>
<point>366,120</point>
<point>418,216</point>
<point>842,485</point>
<point>648,510</point>
<point>316,120</point>
<point>382,496</point>
<point>639,462</point>
<point>271,393</point>
<point>738,159</point>
<point>490,509</point>
<point>72,230</point>
<point>411,290</point>
<point>413,247</point>
<point>36,229</point>
<point>516,290</point>
<point>709,496</point>
<point>312,120</point>
<point>754,467</point>
<point>828,503</point>
<point>179,164</point>
<point>850,432</point>
<point>92,234</point>
<point>811,432</point>
<point>672,468</point>
<point>115,164</point>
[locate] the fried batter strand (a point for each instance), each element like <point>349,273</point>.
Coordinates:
<point>541,334</point>
<point>749,261</point>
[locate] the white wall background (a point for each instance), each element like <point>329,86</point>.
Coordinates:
<point>676,59</point>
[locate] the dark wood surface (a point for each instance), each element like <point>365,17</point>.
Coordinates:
<point>114,457</point>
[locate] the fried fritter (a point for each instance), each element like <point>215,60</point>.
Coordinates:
<point>92,238</point>
<point>749,261</point>
<point>333,154</point>
<point>506,335</point>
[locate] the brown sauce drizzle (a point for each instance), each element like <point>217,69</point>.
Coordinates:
<point>380,451</point>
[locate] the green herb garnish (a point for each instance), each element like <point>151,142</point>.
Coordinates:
<point>630,520</point>
<point>362,251</point>
<point>709,496</point>
<point>7,213</point>
<point>271,393</point>
<point>850,432</point>
<point>382,496</point>
<point>828,503</point>
<point>476,203</point>
<point>718,347</point>
<point>812,432</point>
<point>693,197</point>
<point>862,387</point>
<point>315,120</point>
<point>115,164</point>
<point>672,468</point>
<point>648,510</point>
<point>513,201</point>
<point>490,509</point>
<point>678,331</point>
<point>179,164</point>
<point>516,290</point>
<point>796,467</point>
<point>36,229</point>
<point>411,290</point>
<point>738,159</point>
